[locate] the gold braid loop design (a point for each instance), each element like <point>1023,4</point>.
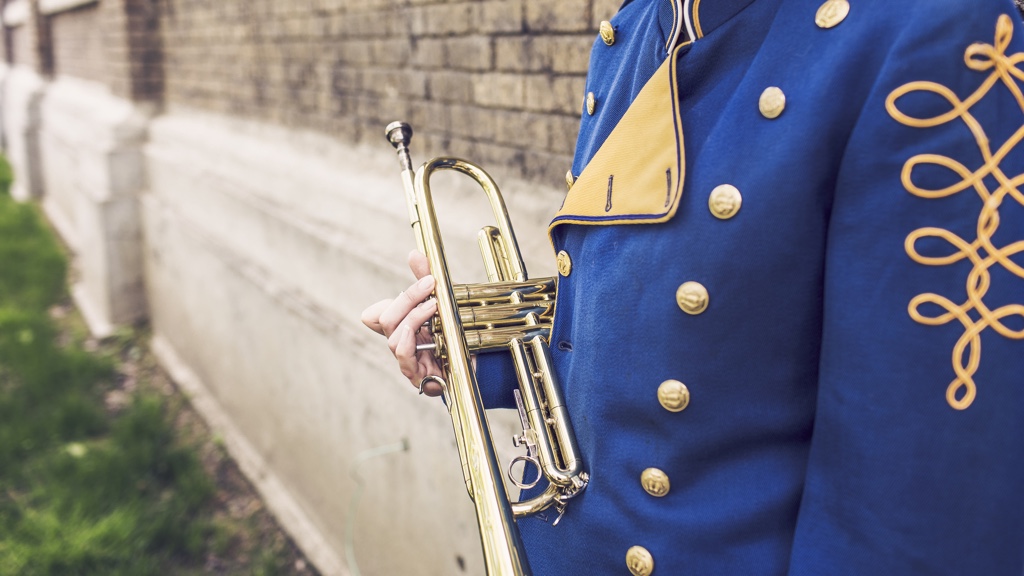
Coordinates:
<point>981,252</point>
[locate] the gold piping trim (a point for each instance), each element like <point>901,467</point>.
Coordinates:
<point>982,253</point>
<point>696,19</point>
<point>654,195</point>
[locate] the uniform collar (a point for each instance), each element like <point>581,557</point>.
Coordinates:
<point>701,17</point>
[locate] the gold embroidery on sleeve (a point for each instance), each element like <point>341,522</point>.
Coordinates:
<point>981,252</point>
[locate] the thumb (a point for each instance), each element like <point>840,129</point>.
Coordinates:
<point>418,264</point>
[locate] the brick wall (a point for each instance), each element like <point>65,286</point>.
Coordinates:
<point>497,81</point>
<point>132,48</point>
<point>22,45</point>
<point>5,45</point>
<point>145,54</point>
<point>113,27</point>
<point>78,43</point>
<point>116,42</point>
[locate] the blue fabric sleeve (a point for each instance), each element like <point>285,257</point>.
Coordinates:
<point>496,376</point>
<point>916,460</point>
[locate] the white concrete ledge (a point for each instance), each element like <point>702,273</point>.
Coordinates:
<point>90,142</point>
<point>95,319</point>
<point>277,498</point>
<point>23,91</point>
<point>16,13</point>
<point>55,6</point>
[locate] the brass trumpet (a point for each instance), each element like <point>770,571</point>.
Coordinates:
<point>510,312</point>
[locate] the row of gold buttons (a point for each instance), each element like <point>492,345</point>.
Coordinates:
<point>608,36</point>
<point>673,396</point>
<point>724,203</point>
<point>692,297</point>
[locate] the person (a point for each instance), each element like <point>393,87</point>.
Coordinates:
<point>790,309</point>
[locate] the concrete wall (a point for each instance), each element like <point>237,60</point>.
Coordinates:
<point>220,171</point>
<point>270,242</point>
<point>23,92</point>
<point>91,146</point>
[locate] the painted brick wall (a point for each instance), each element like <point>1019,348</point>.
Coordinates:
<point>78,44</point>
<point>6,52</point>
<point>116,42</point>
<point>132,47</point>
<point>23,45</point>
<point>15,40</point>
<point>497,81</point>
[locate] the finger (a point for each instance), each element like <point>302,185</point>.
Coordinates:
<point>415,365</point>
<point>418,264</point>
<point>371,316</point>
<point>400,307</point>
<point>412,322</point>
<point>405,352</point>
<point>412,368</point>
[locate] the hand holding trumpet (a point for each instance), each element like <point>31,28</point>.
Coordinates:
<point>509,313</point>
<point>401,320</point>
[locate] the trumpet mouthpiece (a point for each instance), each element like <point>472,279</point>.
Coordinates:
<point>399,134</point>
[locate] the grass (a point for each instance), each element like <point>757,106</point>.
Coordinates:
<point>87,487</point>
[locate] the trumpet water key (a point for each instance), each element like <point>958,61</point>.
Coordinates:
<point>508,312</point>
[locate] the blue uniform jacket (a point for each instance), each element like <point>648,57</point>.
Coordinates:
<point>790,313</point>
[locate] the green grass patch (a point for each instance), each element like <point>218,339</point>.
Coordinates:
<point>83,489</point>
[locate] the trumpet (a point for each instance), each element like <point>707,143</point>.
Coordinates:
<point>507,312</point>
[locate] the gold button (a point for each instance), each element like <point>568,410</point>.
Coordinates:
<point>569,180</point>
<point>564,263</point>
<point>655,482</point>
<point>692,297</point>
<point>607,33</point>
<point>772,102</point>
<point>591,103</point>
<point>639,561</point>
<point>725,201</point>
<point>673,395</point>
<point>831,13</point>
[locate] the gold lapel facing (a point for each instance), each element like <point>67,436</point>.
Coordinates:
<point>636,177</point>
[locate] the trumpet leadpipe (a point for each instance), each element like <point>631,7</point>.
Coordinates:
<point>492,339</point>
<point>533,289</point>
<point>510,314</point>
<point>499,338</point>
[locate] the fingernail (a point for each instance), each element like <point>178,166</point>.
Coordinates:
<point>425,282</point>
<point>429,303</point>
